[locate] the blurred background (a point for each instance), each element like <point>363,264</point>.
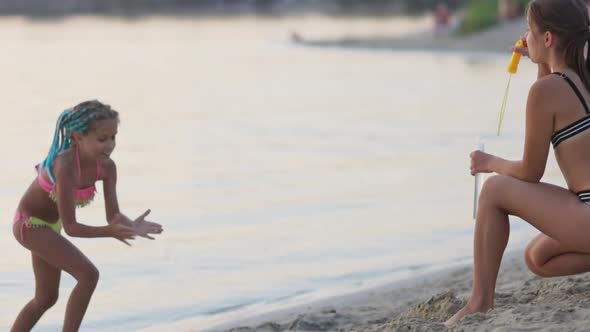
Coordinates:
<point>224,7</point>
<point>293,150</point>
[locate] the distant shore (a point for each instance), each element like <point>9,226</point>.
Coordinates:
<point>498,39</point>
<point>199,8</point>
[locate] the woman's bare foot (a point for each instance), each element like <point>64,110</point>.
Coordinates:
<point>467,310</point>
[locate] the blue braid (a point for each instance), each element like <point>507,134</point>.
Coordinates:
<point>68,122</point>
<point>78,126</point>
<point>76,115</point>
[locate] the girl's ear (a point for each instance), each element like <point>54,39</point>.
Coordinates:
<point>549,39</point>
<point>76,137</point>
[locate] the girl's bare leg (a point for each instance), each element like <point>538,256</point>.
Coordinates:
<point>554,211</point>
<point>60,253</point>
<point>547,257</point>
<point>490,239</point>
<point>46,292</point>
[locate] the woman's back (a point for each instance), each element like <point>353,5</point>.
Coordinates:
<point>571,127</point>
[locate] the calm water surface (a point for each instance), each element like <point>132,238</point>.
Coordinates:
<point>281,173</point>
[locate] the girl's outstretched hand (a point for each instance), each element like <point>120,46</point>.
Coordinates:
<point>122,232</point>
<point>480,162</point>
<point>143,227</point>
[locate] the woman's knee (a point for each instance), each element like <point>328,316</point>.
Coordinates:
<point>492,187</point>
<point>87,275</point>
<point>533,262</point>
<point>493,192</point>
<point>46,301</point>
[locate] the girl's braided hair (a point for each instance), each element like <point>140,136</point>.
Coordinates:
<point>80,119</point>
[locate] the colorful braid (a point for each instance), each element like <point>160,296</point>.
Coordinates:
<point>68,122</point>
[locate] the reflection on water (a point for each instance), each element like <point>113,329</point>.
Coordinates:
<point>277,170</point>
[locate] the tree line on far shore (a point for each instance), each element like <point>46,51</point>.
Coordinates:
<point>474,15</point>
<point>279,7</point>
<point>481,14</point>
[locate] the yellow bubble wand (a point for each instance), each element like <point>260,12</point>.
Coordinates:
<point>512,69</point>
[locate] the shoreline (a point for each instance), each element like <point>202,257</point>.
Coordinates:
<point>289,312</point>
<point>295,315</point>
<point>394,33</point>
<point>431,295</point>
<point>523,302</point>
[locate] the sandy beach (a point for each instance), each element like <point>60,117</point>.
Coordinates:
<point>524,302</point>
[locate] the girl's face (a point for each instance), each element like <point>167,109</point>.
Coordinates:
<point>539,42</point>
<point>99,142</point>
<point>535,41</point>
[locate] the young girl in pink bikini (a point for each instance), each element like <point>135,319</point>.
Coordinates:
<point>79,156</point>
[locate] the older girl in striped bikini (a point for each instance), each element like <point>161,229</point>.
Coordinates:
<point>557,114</point>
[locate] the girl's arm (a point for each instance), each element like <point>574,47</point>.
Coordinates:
<point>539,127</point>
<point>141,226</point>
<point>109,185</point>
<point>64,174</point>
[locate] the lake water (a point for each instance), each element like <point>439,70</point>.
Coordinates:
<point>282,174</point>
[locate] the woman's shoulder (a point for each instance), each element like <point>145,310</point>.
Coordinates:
<point>64,161</point>
<point>63,167</point>
<point>548,82</point>
<point>548,90</point>
<point>557,83</point>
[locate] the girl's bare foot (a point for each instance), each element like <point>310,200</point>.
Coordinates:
<point>467,310</point>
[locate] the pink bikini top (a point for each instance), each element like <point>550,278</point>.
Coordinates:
<point>82,196</point>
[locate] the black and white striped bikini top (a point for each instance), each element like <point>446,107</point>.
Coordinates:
<point>576,127</point>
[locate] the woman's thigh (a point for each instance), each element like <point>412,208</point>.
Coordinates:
<point>47,278</point>
<point>57,251</point>
<point>555,211</point>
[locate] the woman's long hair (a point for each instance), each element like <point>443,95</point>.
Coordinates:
<point>569,21</point>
